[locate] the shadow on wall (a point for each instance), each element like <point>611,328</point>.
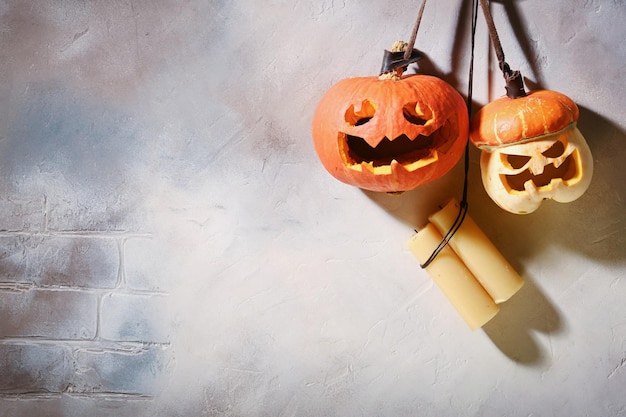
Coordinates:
<point>593,226</point>
<point>511,330</point>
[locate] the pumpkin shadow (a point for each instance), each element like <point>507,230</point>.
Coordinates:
<point>511,330</point>
<point>592,225</point>
<point>428,67</point>
<point>413,207</point>
<point>589,226</point>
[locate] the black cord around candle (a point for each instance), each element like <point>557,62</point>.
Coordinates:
<point>463,205</point>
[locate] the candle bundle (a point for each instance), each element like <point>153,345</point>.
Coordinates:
<point>470,270</point>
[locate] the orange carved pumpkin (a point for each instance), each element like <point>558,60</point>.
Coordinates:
<point>531,150</point>
<point>390,135</point>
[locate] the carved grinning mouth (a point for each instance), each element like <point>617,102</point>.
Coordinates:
<point>410,153</point>
<point>565,172</point>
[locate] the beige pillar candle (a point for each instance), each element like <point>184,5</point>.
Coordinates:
<point>453,278</point>
<point>479,254</point>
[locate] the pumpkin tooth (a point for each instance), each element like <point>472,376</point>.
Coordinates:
<point>556,182</point>
<point>559,161</point>
<point>356,167</point>
<point>536,166</point>
<point>395,165</point>
<point>530,187</point>
<point>383,170</point>
<point>376,170</point>
<point>433,156</point>
<point>368,165</point>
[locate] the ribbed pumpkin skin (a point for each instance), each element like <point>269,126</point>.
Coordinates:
<point>507,121</point>
<point>441,129</point>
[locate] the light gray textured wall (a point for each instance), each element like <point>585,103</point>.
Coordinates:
<point>170,245</point>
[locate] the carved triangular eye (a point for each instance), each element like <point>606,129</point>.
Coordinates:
<point>516,161</point>
<point>555,150</point>
<point>414,115</point>
<point>362,121</point>
<point>363,115</point>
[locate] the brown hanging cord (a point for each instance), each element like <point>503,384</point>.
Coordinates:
<point>513,79</point>
<point>514,89</point>
<point>398,61</point>
<point>463,204</point>
<point>411,43</point>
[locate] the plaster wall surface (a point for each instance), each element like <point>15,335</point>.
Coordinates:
<point>170,244</point>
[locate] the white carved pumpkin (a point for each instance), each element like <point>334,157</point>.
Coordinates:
<point>532,151</point>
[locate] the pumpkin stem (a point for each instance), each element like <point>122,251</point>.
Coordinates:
<point>395,63</point>
<point>514,82</point>
<point>398,46</point>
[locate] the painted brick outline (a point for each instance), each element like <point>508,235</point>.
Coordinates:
<point>71,323</point>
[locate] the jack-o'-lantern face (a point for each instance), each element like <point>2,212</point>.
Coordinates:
<point>519,177</point>
<point>390,135</point>
<point>532,150</point>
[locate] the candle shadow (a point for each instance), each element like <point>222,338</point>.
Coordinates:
<point>529,310</point>
<point>588,226</point>
<point>511,330</point>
